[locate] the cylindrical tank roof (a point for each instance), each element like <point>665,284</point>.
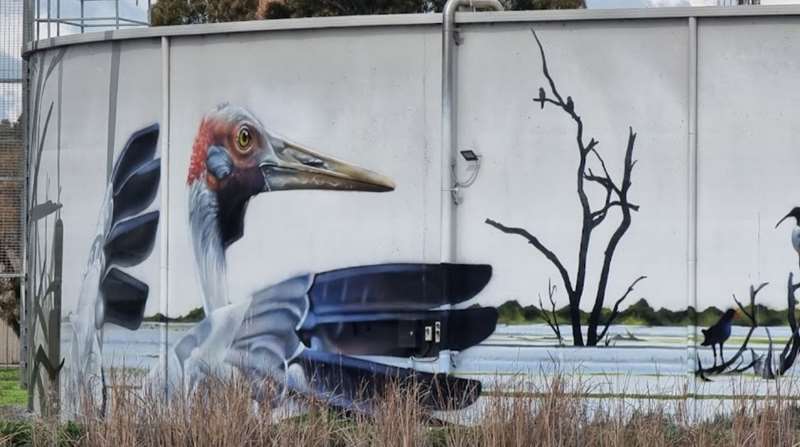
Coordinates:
<point>412,20</point>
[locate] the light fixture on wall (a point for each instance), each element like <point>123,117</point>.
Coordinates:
<point>470,155</point>
<point>473,158</point>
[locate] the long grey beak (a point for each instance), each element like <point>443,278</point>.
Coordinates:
<point>290,166</point>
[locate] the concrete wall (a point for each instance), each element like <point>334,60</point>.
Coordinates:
<point>714,173</point>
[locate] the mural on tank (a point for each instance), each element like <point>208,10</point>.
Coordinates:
<point>304,333</point>
<point>332,309</point>
<point>592,328</point>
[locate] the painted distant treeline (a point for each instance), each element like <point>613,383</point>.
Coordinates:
<point>193,316</point>
<point>641,313</point>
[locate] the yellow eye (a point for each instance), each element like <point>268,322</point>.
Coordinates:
<point>244,139</point>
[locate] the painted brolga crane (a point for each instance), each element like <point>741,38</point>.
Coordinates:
<point>309,333</point>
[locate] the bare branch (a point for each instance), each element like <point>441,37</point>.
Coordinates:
<point>566,105</point>
<point>546,72</point>
<point>612,185</point>
<point>551,291</point>
<point>600,214</point>
<point>546,100</point>
<point>629,164</point>
<point>551,318</point>
<point>546,317</point>
<point>533,240</point>
<point>762,365</point>
<point>613,242</point>
<point>615,310</point>
<point>790,350</point>
<point>602,181</point>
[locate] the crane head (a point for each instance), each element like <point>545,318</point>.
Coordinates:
<point>236,158</point>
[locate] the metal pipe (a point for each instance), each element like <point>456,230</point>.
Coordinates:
<point>447,222</point>
<point>449,42</point>
<point>165,211</point>
<point>691,212</point>
<point>82,15</point>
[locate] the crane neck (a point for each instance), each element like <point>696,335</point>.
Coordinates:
<point>207,243</point>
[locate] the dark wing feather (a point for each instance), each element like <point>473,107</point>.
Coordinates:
<point>140,148</point>
<point>354,383</point>
<point>130,241</point>
<point>130,237</point>
<point>138,191</point>
<point>394,309</point>
<point>124,298</point>
<point>401,334</point>
<point>403,287</point>
<point>385,309</point>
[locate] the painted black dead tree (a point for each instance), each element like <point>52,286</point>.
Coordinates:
<point>593,216</point>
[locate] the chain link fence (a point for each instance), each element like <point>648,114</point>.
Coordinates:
<point>12,174</point>
<point>12,170</point>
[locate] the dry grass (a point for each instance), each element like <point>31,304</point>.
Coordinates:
<point>560,413</point>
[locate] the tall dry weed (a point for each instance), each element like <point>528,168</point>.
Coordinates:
<point>553,410</point>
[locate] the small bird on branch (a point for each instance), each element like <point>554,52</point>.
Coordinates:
<point>719,333</point>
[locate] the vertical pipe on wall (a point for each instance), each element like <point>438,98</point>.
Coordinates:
<point>164,191</point>
<point>449,42</point>
<point>450,39</point>
<point>448,131</point>
<point>691,252</point>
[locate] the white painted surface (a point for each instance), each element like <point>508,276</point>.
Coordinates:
<point>372,96</point>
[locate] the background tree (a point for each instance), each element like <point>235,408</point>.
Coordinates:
<point>524,5</point>
<point>183,12</point>
<point>187,12</point>
<point>314,8</point>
